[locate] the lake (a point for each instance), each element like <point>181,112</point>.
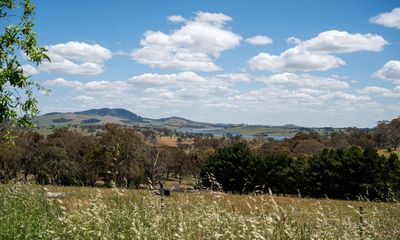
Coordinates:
<point>216,133</point>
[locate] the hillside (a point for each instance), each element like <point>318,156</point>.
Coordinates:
<point>113,112</point>
<point>121,116</point>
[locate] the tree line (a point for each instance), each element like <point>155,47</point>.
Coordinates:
<point>339,165</point>
<point>115,155</point>
<point>344,173</point>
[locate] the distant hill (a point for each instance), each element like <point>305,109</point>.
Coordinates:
<point>113,112</point>
<point>177,122</point>
<point>102,116</point>
<point>113,115</point>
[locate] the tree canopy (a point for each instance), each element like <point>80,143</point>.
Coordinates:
<point>18,104</point>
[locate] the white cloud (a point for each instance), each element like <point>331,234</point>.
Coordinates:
<point>390,71</point>
<point>194,46</point>
<point>277,99</point>
<point>190,93</point>
<point>259,40</point>
<point>75,58</point>
<point>343,42</point>
<point>155,79</point>
<point>61,82</point>
<point>293,60</point>
<point>293,40</point>
<point>116,86</point>
<point>316,54</point>
<point>374,89</point>
<point>79,51</point>
<point>218,19</point>
<point>234,77</point>
<point>381,91</point>
<point>187,84</point>
<point>305,81</point>
<point>69,67</point>
<point>29,69</point>
<point>388,19</point>
<point>176,18</point>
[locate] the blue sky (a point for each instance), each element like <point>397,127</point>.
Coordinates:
<point>311,63</point>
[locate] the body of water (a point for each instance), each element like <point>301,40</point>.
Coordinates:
<point>216,133</point>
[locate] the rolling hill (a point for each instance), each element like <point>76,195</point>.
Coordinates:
<point>112,115</point>
<point>102,116</point>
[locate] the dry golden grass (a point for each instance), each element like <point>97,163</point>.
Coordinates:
<point>100,213</point>
<point>171,141</point>
<point>384,152</point>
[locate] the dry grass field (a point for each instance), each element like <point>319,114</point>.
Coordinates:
<point>100,213</point>
<point>171,141</point>
<point>387,154</point>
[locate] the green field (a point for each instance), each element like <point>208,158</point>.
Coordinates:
<point>93,213</point>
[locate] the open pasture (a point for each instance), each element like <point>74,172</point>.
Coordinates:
<point>100,213</point>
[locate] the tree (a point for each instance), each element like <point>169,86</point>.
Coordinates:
<point>387,134</point>
<point>124,154</point>
<point>17,102</point>
<point>230,166</point>
<point>31,144</point>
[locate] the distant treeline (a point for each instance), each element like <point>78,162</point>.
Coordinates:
<point>338,165</point>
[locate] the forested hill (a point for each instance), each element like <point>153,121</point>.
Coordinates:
<point>113,115</point>
<point>113,112</point>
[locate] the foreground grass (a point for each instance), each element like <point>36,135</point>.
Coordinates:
<point>87,213</point>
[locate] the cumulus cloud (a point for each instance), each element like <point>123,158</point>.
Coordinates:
<point>90,86</point>
<point>343,42</point>
<point>305,81</point>
<point>218,19</point>
<point>176,18</point>
<point>156,79</point>
<point>388,19</point>
<point>390,71</point>
<point>79,51</point>
<point>316,54</point>
<point>187,84</point>
<point>259,40</point>
<point>278,99</point>
<point>294,60</point>
<point>381,91</point>
<point>74,58</point>
<point>69,67</point>
<point>194,46</point>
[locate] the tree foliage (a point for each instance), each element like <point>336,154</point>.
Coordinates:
<point>18,104</point>
<point>349,173</point>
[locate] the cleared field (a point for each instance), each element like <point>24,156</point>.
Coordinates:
<point>90,213</point>
<point>385,152</point>
<point>172,141</point>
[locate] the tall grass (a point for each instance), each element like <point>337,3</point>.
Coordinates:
<point>85,213</point>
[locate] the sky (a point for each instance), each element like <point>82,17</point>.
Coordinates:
<point>309,63</point>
